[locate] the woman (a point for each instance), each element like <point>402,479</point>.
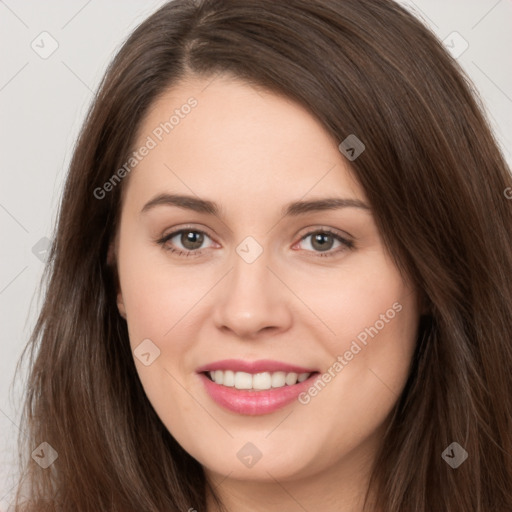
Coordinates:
<point>280,275</point>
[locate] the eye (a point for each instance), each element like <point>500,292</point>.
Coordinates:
<point>189,242</point>
<point>184,242</point>
<point>322,241</point>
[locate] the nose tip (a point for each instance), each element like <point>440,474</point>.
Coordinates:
<point>246,326</point>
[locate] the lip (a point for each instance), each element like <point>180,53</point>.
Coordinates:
<point>262,365</point>
<point>255,403</point>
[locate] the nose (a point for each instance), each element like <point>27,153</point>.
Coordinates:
<point>252,301</point>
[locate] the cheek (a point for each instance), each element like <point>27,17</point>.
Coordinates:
<point>156,295</point>
<point>367,291</point>
<point>369,359</point>
<point>370,319</point>
<point>159,302</point>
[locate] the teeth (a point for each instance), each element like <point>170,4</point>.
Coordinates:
<point>278,379</point>
<point>242,380</point>
<point>261,381</point>
<point>303,376</point>
<point>291,379</point>
<point>229,378</point>
<point>258,381</point>
<point>219,376</point>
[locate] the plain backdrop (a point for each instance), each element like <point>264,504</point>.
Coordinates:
<point>43,101</point>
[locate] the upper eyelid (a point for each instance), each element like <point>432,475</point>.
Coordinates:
<point>309,230</point>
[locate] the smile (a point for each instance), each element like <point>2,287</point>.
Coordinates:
<point>254,387</point>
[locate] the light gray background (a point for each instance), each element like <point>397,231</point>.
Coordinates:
<point>43,103</point>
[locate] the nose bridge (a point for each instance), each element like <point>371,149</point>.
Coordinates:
<point>252,298</point>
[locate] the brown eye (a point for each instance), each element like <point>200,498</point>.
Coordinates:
<point>324,242</point>
<point>191,240</point>
<point>184,241</point>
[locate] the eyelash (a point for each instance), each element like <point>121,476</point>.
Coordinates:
<point>348,244</point>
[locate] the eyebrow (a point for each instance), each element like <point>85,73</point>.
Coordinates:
<point>292,209</point>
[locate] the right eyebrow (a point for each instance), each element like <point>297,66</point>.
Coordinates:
<point>188,202</point>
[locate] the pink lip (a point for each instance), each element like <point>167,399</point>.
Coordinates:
<point>263,365</point>
<point>253,403</point>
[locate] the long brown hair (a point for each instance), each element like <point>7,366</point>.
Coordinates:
<point>435,179</point>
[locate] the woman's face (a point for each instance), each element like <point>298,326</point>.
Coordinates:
<point>247,247</point>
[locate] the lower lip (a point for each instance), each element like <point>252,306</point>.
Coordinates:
<point>253,403</point>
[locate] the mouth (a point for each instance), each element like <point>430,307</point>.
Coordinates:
<point>255,388</point>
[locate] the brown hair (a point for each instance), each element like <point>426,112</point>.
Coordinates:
<point>434,176</point>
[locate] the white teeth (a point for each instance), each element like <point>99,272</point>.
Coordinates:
<point>242,380</point>
<point>261,381</point>
<point>291,379</point>
<point>229,379</point>
<point>278,379</point>
<point>258,381</point>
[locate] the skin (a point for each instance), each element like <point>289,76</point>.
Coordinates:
<point>252,152</point>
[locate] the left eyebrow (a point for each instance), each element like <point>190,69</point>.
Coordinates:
<point>292,209</point>
<point>330,203</point>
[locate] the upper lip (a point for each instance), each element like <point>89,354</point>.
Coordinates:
<point>262,365</point>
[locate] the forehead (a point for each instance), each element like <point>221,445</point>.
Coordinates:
<point>221,136</point>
